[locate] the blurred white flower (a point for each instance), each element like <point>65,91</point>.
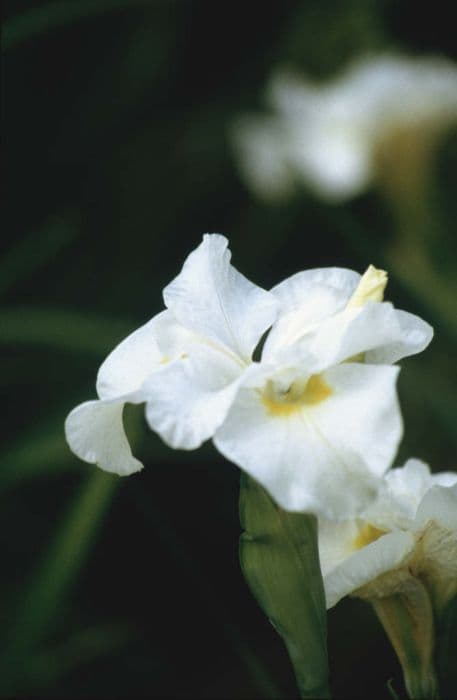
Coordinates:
<point>316,421</point>
<point>336,136</point>
<point>409,531</point>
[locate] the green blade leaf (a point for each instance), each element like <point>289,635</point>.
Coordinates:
<point>279,559</point>
<point>61,329</point>
<point>53,15</point>
<point>36,249</point>
<point>45,593</point>
<point>446,644</point>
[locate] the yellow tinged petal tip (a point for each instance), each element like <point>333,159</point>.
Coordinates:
<point>370,288</point>
<point>297,397</point>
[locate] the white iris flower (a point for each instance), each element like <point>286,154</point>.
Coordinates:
<point>316,421</point>
<point>336,136</point>
<point>408,532</point>
<point>193,355</point>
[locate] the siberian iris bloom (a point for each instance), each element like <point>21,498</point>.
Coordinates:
<point>410,530</point>
<point>315,421</point>
<point>382,113</point>
<point>400,555</point>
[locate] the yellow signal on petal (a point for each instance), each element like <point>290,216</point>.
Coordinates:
<point>299,395</point>
<point>366,535</point>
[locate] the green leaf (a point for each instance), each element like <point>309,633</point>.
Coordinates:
<point>36,249</point>
<point>52,15</point>
<point>45,592</point>
<point>37,452</point>
<point>61,329</point>
<point>47,667</point>
<point>446,644</point>
<point>279,559</point>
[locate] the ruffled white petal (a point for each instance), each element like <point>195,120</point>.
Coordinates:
<point>95,432</point>
<point>145,350</point>
<point>189,399</point>
<point>307,298</point>
<point>399,496</point>
<point>362,418</point>
<point>387,553</point>
<point>128,365</point>
<point>403,491</point>
<point>324,458</point>
<point>214,300</point>
<point>413,336</point>
<point>440,506</point>
<point>350,334</point>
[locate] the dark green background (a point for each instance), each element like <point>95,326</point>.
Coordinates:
<point>115,120</point>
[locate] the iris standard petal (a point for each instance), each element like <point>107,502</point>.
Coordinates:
<point>413,337</point>
<point>307,298</point>
<point>214,300</point>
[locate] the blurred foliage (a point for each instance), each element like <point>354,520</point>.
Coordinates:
<point>116,115</point>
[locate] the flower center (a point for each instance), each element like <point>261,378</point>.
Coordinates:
<point>298,395</point>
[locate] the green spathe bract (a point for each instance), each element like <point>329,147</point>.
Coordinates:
<point>279,559</point>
